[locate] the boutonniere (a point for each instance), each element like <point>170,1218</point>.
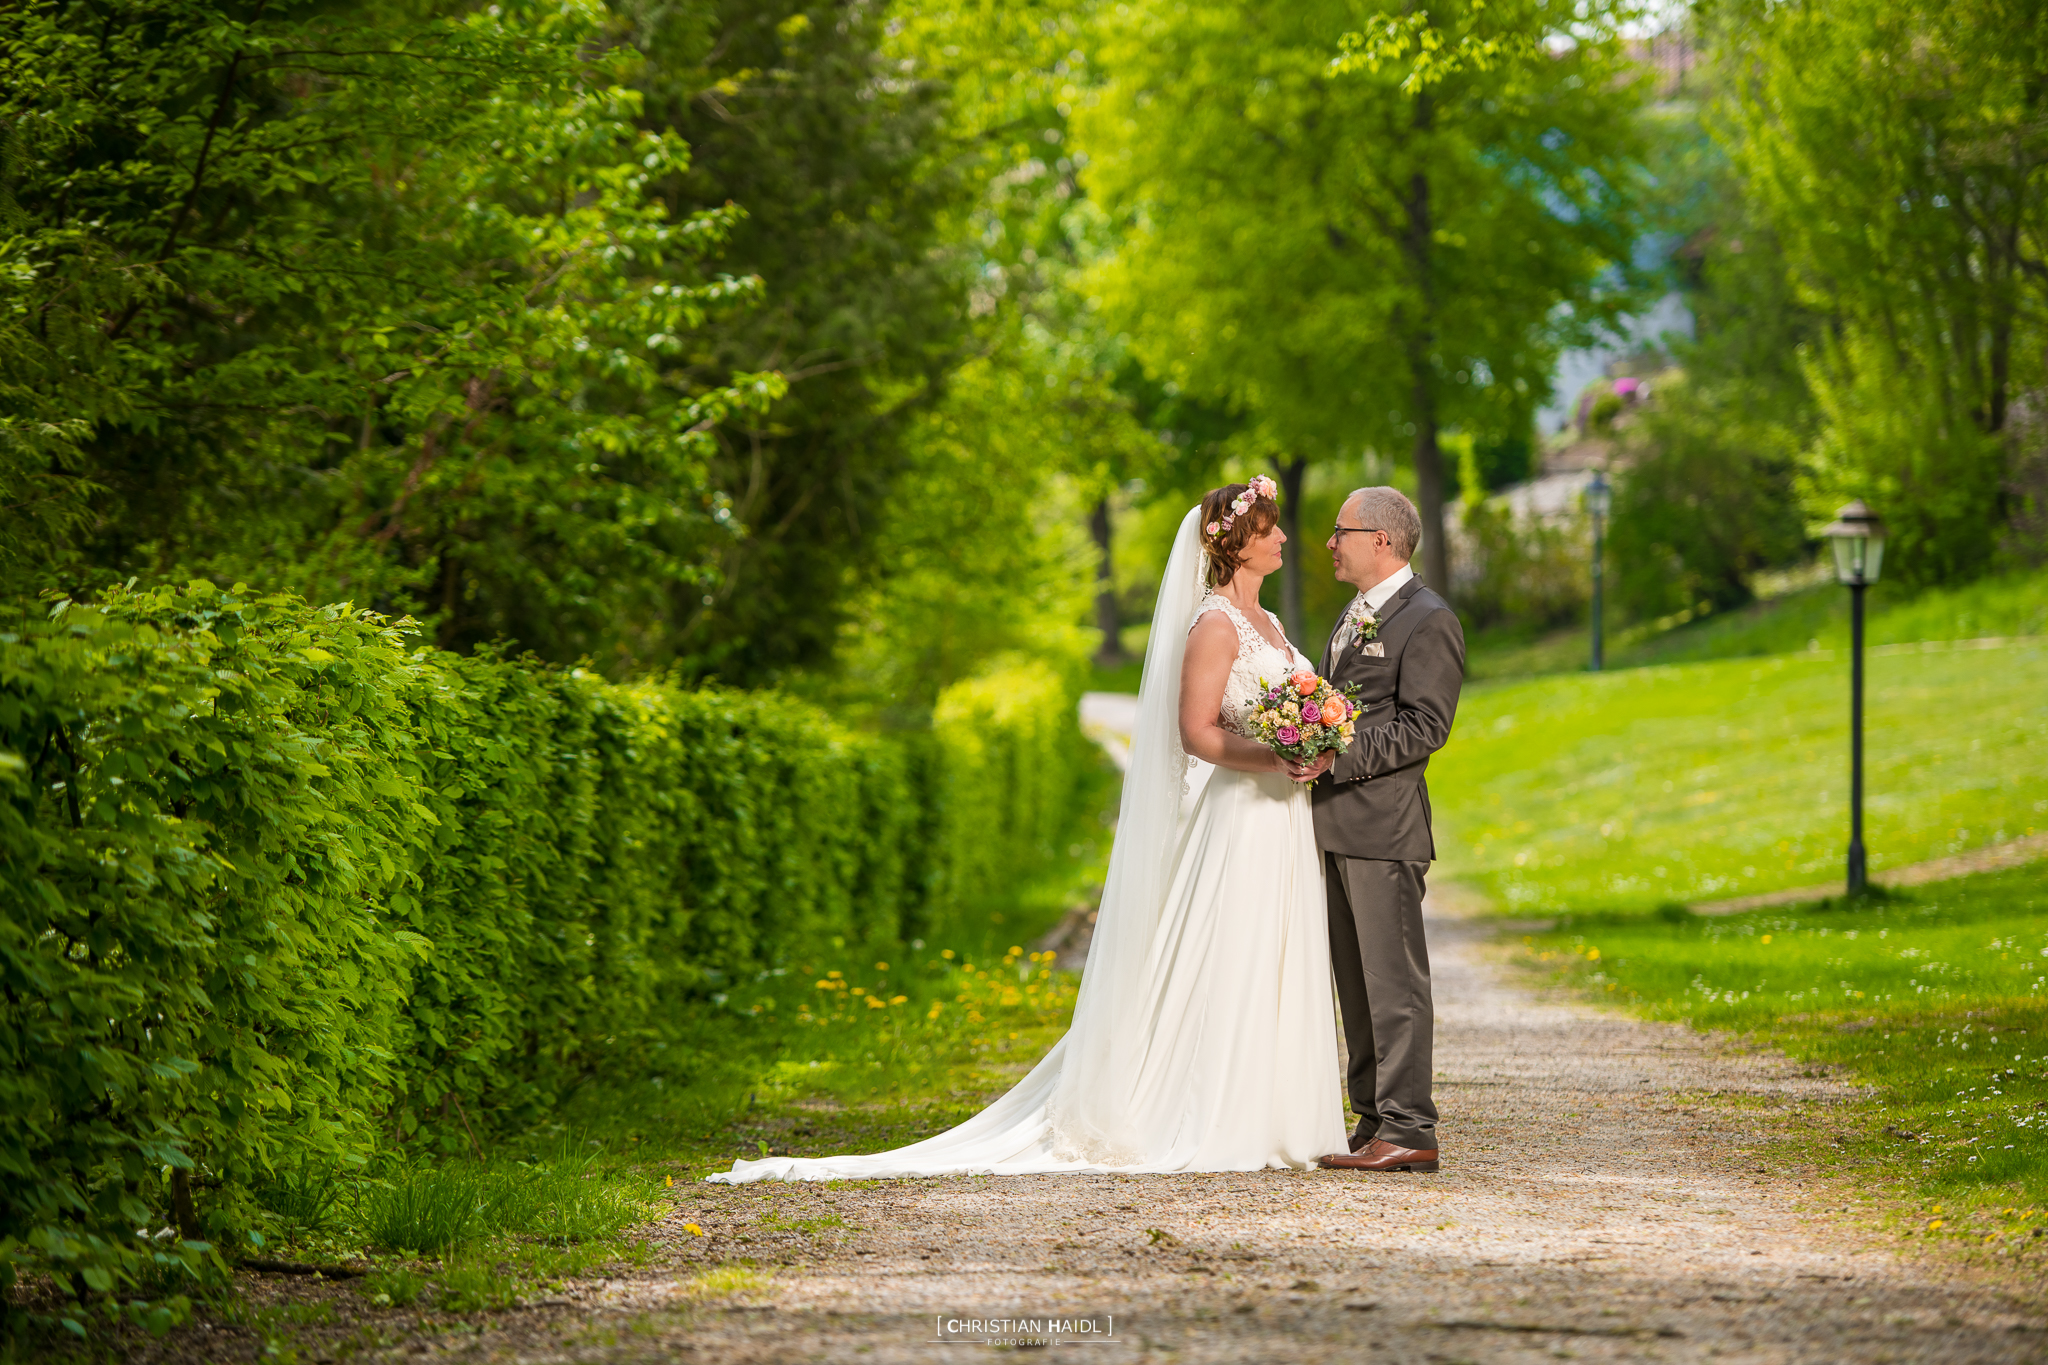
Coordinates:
<point>1362,621</point>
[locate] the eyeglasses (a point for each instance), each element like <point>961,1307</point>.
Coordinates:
<point>1341,531</point>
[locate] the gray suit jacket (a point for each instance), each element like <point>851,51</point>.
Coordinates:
<point>1373,802</point>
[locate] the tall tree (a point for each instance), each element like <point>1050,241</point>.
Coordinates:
<point>1708,491</point>
<point>851,175</point>
<point>358,302</point>
<point>1366,256</point>
<point>1933,253</point>
<point>1013,71</point>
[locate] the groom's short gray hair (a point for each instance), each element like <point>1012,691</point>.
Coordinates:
<point>1388,509</point>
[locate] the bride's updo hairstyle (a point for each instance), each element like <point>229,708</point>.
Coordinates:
<point>1233,531</point>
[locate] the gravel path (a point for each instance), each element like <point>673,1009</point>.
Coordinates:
<point>1598,1202</point>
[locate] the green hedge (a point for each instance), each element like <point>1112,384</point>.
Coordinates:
<point>1006,747</point>
<point>281,885</point>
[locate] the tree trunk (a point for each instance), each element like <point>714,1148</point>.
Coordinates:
<point>1291,472</point>
<point>1111,654</point>
<point>1421,343</point>
<point>183,1211</point>
<point>1429,489</point>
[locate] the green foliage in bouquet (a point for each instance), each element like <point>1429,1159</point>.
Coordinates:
<point>1303,715</point>
<point>281,885</point>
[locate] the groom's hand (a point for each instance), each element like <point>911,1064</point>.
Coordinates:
<point>1309,772</point>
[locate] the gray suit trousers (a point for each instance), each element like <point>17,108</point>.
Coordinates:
<point>1382,970</point>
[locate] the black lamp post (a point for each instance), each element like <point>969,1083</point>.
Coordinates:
<point>1599,498</point>
<point>1857,537</point>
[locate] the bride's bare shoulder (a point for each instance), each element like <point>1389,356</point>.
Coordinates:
<point>1210,618</point>
<point>1212,636</point>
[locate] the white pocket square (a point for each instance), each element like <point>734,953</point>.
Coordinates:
<point>1374,649</point>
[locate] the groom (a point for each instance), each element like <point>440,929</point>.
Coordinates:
<point>1402,645</point>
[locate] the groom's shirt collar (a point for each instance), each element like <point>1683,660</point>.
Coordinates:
<point>1382,592</point>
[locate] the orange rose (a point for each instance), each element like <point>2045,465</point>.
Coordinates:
<point>1304,682</point>
<point>1334,711</point>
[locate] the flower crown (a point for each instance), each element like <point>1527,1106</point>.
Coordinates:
<point>1259,487</point>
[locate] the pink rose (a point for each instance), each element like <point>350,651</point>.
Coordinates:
<point>1334,711</point>
<point>1289,735</point>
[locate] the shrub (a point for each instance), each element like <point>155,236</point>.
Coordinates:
<point>1004,756</point>
<point>1521,569</point>
<point>283,888</point>
<point>1898,437</point>
<point>1504,459</point>
<point>1707,499</point>
<point>199,830</point>
<point>1600,417</point>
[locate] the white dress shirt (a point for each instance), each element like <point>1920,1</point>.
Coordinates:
<point>1380,593</point>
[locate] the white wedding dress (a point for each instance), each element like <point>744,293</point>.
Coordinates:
<point>1204,1037</point>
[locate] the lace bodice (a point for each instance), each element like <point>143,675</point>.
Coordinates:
<point>1257,657</point>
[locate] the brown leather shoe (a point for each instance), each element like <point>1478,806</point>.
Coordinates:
<point>1360,1138</point>
<point>1381,1156</point>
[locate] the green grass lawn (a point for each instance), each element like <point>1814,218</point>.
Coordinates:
<point>1681,783</point>
<point>2014,605</point>
<point>1937,998</point>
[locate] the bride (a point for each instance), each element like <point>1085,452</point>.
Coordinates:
<point>1203,1038</point>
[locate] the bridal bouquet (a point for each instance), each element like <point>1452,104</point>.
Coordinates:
<point>1302,715</point>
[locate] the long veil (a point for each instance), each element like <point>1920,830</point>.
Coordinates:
<point>1093,1108</point>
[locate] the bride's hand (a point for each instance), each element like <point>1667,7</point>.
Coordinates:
<point>1309,772</point>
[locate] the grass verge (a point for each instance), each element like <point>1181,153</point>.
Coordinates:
<point>1612,790</point>
<point>1811,618</point>
<point>1935,999</point>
